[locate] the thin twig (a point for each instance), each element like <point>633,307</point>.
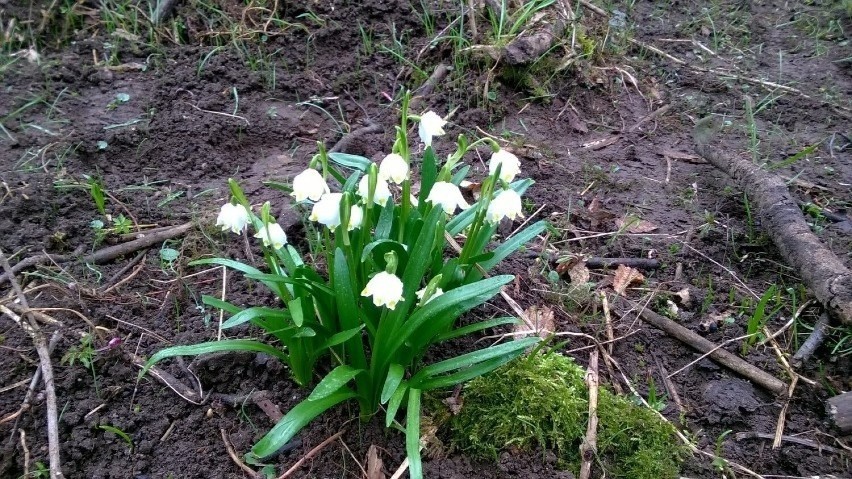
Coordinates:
<point>234,457</point>
<point>589,447</point>
<point>796,440</point>
<point>782,417</point>
<point>313,452</point>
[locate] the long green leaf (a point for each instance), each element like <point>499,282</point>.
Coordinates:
<point>294,421</point>
<point>395,402</point>
<point>218,303</point>
<point>333,381</point>
<point>512,244</point>
<point>412,435</point>
<point>466,374</point>
<point>471,359</point>
<point>341,337</point>
<point>348,314</point>
<point>385,224</point>
<point>428,174</point>
<point>472,328</point>
<point>395,373</point>
<point>214,347</point>
<point>350,161</point>
<point>253,314</point>
<point>241,267</point>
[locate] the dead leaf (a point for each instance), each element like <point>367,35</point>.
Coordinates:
<point>454,403</point>
<point>625,276</point>
<point>601,143</point>
<point>635,225</point>
<point>375,468</point>
<point>578,273</point>
<point>597,213</point>
<point>542,319</point>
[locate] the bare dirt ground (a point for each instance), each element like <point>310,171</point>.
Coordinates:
<point>164,121</point>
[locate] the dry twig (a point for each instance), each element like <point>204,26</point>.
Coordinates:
<point>589,447</point>
<point>313,452</point>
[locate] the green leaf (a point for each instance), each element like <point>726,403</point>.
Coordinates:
<point>348,311</point>
<point>169,255</point>
<point>412,435</point>
<point>472,328</point>
<point>218,303</point>
<point>471,359</point>
<point>428,175</point>
<point>377,249</point>
<point>341,337</point>
<point>295,307</point>
<point>241,267</point>
<point>305,332</point>
<point>333,381</point>
<point>213,347</point>
<point>395,402</point>
<point>294,421</point>
<point>350,161</point>
<point>392,381</point>
<point>513,243</point>
<point>460,175</point>
<point>254,314</point>
<point>385,224</point>
<point>466,374</point>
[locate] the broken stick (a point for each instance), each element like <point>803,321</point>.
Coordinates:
<point>821,270</point>
<point>756,375</point>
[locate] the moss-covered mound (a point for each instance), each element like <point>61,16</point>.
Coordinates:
<point>541,401</point>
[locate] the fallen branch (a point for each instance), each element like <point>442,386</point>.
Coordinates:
<point>589,447</point>
<point>346,141</point>
<point>758,376</point>
<point>821,270</point>
<point>103,255</point>
<point>813,342</point>
<point>46,367</point>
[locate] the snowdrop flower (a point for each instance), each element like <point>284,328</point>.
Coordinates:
<point>511,165</point>
<point>385,288</point>
<point>232,217</point>
<point>272,235</point>
<point>430,125</point>
<point>356,217</point>
<point>393,168</point>
<point>448,196</point>
<point>327,210</point>
<point>380,196</point>
<point>438,292</point>
<point>507,204</point>
<point>309,184</point>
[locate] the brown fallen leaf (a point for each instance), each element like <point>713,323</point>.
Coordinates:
<point>543,320</point>
<point>596,213</point>
<point>625,276</point>
<point>374,464</point>
<point>579,273</point>
<point>635,225</point>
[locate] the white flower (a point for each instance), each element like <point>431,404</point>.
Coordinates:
<point>511,165</point>
<point>385,288</point>
<point>380,196</point>
<point>430,125</point>
<point>327,210</point>
<point>232,217</point>
<point>356,217</point>
<point>273,235</point>
<point>448,196</point>
<point>309,184</point>
<point>393,168</point>
<point>438,292</point>
<point>507,204</point>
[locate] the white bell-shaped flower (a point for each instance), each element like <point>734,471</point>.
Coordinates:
<point>380,196</point>
<point>272,235</point>
<point>327,210</point>
<point>356,217</point>
<point>430,125</point>
<point>309,185</point>
<point>510,168</point>
<point>393,168</point>
<point>438,292</point>
<point>507,204</point>
<point>448,196</point>
<point>232,217</point>
<point>385,288</point>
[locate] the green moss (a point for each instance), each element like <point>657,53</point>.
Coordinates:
<point>541,401</point>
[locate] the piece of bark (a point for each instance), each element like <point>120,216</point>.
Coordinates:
<point>779,214</point>
<point>758,376</point>
<point>536,40</point>
<point>840,411</point>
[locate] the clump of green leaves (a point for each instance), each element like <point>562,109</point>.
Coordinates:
<point>541,401</point>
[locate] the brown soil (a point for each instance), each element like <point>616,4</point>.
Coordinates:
<point>172,146</point>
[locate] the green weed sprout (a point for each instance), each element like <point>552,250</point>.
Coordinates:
<point>387,292</point>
